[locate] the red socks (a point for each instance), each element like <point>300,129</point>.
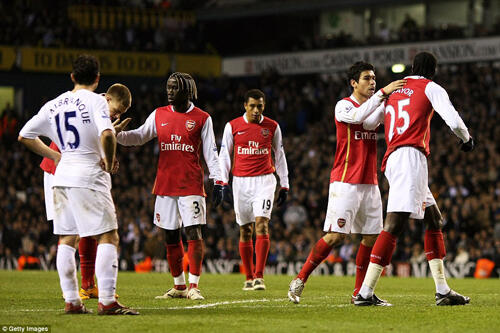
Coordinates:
<point>362,261</point>
<point>262,245</point>
<point>87,248</point>
<point>196,251</point>
<point>434,245</point>
<point>175,255</point>
<point>383,249</point>
<point>246,254</point>
<point>318,253</point>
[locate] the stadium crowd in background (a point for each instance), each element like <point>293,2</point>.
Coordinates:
<point>466,186</point>
<point>31,23</point>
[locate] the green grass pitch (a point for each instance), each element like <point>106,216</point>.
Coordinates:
<point>34,298</point>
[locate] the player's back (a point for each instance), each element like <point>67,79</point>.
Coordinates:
<point>408,114</point>
<point>77,119</point>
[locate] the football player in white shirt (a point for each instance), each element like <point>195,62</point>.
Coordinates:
<point>79,122</point>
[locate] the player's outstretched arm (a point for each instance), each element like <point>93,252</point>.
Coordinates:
<point>120,126</point>
<point>346,112</point>
<point>139,136</point>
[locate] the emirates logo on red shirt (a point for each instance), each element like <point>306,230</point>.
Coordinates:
<point>190,124</point>
<point>264,132</point>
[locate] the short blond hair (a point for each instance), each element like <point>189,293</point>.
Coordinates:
<point>121,93</point>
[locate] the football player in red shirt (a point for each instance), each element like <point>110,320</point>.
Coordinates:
<point>407,120</point>
<point>354,204</point>
<point>184,131</point>
<point>250,139</point>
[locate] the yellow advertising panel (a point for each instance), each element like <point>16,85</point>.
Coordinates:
<point>7,57</point>
<point>112,62</point>
<point>202,65</point>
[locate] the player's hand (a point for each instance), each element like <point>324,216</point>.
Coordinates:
<point>283,194</point>
<point>467,146</point>
<point>120,126</point>
<point>57,159</point>
<point>110,168</point>
<point>393,86</point>
<point>221,193</point>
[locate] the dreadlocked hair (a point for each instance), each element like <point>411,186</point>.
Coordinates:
<point>185,83</point>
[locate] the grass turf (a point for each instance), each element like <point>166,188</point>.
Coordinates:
<point>34,298</point>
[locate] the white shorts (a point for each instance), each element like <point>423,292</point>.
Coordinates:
<point>172,212</point>
<point>354,208</point>
<point>49,195</point>
<point>253,197</point>
<point>407,174</point>
<point>82,211</point>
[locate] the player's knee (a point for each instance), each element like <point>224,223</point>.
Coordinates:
<point>369,240</point>
<point>246,232</point>
<point>193,232</point>
<point>261,226</point>
<point>173,236</point>
<point>334,238</point>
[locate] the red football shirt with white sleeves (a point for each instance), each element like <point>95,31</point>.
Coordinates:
<point>356,153</point>
<point>250,145</point>
<point>408,114</point>
<point>47,164</point>
<point>181,138</point>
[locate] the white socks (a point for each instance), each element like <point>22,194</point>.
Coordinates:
<point>194,278</point>
<point>180,280</point>
<point>66,268</point>
<point>437,270</point>
<point>371,278</point>
<point>106,270</point>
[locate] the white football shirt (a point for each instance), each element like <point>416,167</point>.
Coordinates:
<point>75,122</point>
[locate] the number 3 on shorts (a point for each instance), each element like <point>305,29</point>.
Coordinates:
<point>197,210</point>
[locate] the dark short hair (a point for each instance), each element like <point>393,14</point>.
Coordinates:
<point>254,93</point>
<point>356,69</point>
<point>121,93</point>
<point>424,64</point>
<point>85,69</point>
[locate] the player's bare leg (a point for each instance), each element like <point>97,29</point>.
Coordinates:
<point>196,252</point>
<point>262,244</point>
<point>175,256</point>
<point>380,257</point>
<point>106,270</point>
<point>66,268</point>
<point>318,253</point>
<point>246,254</point>
<point>435,252</point>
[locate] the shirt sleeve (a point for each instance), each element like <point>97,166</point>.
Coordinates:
<point>210,150</point>
<point>226,151</point>
<point>37,126</point>
<point>280,159</point>
<point>442,104</point>
<point>101,116</point>
<point>375,119</point>
<point>140,135</point>
<point>346,112</point>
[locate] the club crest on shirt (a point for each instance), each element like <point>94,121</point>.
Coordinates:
<point>264,132</point>
<point>158,217</point>
<point>190,124</point>
<point>341,222</point>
